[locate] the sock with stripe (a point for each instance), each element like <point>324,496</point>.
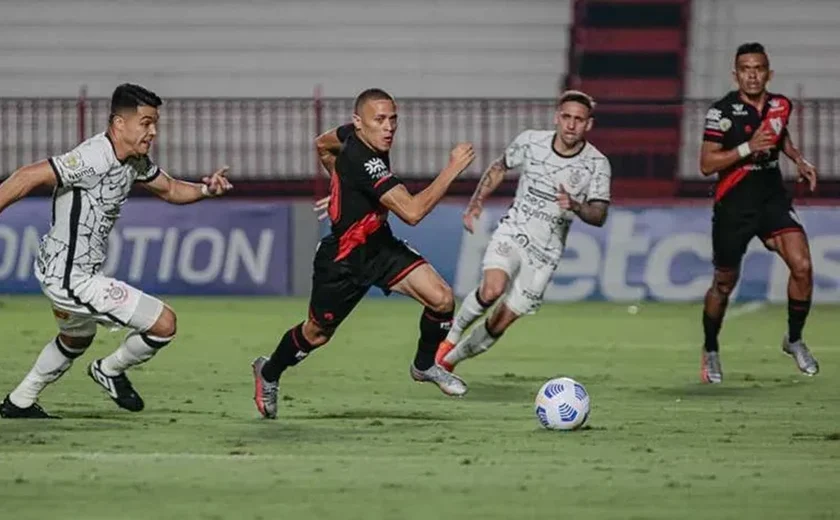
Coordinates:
<point>136,349</point>
<point>55,359</point>
<point>472,308</point>
<point>292,349</point>
<point>433,328</point>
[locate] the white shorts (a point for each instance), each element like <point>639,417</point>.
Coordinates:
<point>101,300</point>
<point>528,277</point>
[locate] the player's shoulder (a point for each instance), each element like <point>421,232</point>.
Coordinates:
<point>593,152</point>
<point>725,102</point>
<point>779,100</point>
<point>93,155</point>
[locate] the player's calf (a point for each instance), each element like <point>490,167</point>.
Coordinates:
<point>55,359</point>
<point>136,349</point>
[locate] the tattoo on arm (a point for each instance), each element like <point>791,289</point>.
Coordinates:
<point>490,180</point>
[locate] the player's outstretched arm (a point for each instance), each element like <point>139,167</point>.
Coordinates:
<point>176,191</point>
<point>411,209</point>
<point>24,180</point>
<point>490,180</point>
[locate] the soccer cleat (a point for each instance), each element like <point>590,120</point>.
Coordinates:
<point>710,371</point>
<point>265,391</point>
<point>118,387</point>
<point>449,383</point>
<point>805,361</point>
<point>444,349</point>
<point>9,410</point>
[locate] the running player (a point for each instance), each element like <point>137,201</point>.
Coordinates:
<point>745,131</point>
<point>91,183</point>
<point>562,176</point>
<point>361,251</point>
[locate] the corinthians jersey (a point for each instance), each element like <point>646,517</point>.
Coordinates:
<point>92,185</point>
<point>534,218</point>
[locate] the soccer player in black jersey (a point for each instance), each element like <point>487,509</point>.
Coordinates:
<point>361,251</point>
<point>745,133</point>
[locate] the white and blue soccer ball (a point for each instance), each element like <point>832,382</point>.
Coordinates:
<point>562,404</point>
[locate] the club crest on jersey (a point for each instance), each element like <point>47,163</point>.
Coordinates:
<point>575,178</point>
<point>738,109</point>
<point>777,125</point>
<point>117,293</point>
<point>376,168</point>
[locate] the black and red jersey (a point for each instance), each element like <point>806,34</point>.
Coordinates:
<point>731,121</point>
<point>362,175</point>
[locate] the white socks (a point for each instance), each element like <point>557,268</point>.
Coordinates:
<point>471,309</point>
<point>135,349</point>
<point>479,341</point>
<point>55,359</point>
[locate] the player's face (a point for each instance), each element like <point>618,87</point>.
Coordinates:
<point>138,129</point>
<point>573,120</point>
<point>377,123</point>
<point>752,73</point>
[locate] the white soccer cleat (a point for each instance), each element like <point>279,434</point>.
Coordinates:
<point>449,383</point>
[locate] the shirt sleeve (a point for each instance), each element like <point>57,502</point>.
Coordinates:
<point>599,188</point>
<point>146,169</point>
<point>83,166</point>
<point>344,131</point>
<point>515,152</point>
<point>716,125</point>
<point>371,174</point>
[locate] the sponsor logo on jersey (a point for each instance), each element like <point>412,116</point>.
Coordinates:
<point>376,168</point>
<point>738,109</point>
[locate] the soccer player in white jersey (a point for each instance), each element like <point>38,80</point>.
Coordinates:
<point>561,176</point>
<point>91,183</point>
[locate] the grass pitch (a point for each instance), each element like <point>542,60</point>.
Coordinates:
<point>357,439</point>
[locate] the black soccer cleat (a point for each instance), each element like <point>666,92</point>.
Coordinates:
<point>9,410</point>
<point>118,387</point>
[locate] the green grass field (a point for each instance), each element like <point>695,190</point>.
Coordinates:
<point>357,439</point>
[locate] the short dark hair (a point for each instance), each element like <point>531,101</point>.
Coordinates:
<point>371,94</point>
<point>129,97</point>
<point>750,48</point>
<point>578,97</point>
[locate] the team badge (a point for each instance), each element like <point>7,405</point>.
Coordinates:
<point>725,124</point>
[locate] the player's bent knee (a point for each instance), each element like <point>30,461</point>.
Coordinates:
<point>76,342</point>
<point>166,325</point>
<point>317,335</point>
<point>491,291</point>
<point>801,268</point>
<point>442,300</point>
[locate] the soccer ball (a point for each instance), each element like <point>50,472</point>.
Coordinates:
<point>562,404</point>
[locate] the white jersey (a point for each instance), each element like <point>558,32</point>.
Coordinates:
<point>92,187</point>
<point>534,219</point>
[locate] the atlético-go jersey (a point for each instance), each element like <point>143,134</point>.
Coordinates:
<point>730,121</point>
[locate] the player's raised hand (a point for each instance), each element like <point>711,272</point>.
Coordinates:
<point>762,140</point>
<point>471,214</point>
<point>461,157</point>
<point>806,172</point>
<point>217,183</point>
<point>321,206</point>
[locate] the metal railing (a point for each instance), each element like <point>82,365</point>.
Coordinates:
<point>271,139</point>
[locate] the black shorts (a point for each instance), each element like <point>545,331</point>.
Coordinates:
<point>734,225</point>
<point>338,286</point>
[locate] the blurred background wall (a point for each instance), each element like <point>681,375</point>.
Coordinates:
<point>251,83</point>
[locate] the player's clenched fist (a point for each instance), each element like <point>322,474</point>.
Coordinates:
<point>461,156</point>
